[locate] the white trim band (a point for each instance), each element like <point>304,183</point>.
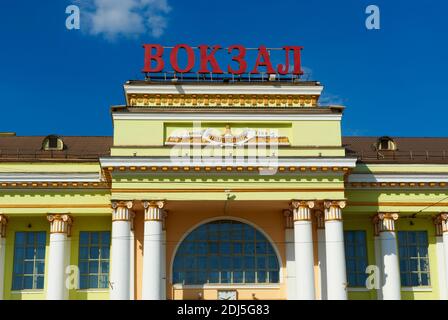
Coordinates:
<point>368,178</point>
<point>49,177</point>
<point>274,89</point>
<point>253,116</point>
<point>168,162</point>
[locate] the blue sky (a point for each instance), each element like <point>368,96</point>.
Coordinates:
<point>393,81</point>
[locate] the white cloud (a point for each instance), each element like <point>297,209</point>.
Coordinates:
<point>112,18</point>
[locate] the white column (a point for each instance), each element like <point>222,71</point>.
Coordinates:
<point>303,250</point>
<point>163,266</point>
<point>335,251</point>
<point>290,261</point>
<point>385,227</point>
<point>152,251</point>
<point>379,264</point>
<point>3,222</point>
<point>60,225</point>
<point>441,222</point>
<point>122,219</point>
<point>321,256</point>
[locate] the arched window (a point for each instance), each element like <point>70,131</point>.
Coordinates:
<point>225,252</point>
<point>52,142</point>
<point>386,143</point>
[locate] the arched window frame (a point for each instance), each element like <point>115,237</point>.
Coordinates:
<point>245,285</point>
<point>46,143</point>
<point>391,144</point>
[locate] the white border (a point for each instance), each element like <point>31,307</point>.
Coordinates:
<point>173,88</point>
<point>252,116</point>
<point>168,162</point>
<point>50,177</point>
<point>368,178</point>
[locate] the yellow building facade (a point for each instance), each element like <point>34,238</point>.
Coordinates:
<point>223,190</point>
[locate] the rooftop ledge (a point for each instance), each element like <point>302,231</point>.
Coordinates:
<point>235,88</point>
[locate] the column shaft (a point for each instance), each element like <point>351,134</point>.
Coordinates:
<point>321,256</point>
<point>58,257</point>
<point>445,256</point>
<point>3,222</point>
<point>152,252</point>
<point>441,225</point>
<point>385,226</point>
<point>335,251</point>
<point>379,264</point>
<point>303,251</point>
<point>121,252</point>
<point>290,259</point>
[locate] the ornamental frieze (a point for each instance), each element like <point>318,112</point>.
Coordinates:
<point>236,100</point>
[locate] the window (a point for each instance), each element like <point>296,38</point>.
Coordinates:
<point>94,252</point>
<point>356,257</point>
<point>29,260</point>
<point>225,252</point>
<point>52,142</point>
<point>386,143</point>
<point>414,260</point>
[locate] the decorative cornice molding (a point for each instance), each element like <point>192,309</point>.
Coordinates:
<point>144,100</point>
<point>60,223</point>
<point>384,222</point>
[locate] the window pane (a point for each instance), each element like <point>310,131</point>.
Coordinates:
<point>27,282</point>
<point>94,259</point>
<point>225,252</point>
<point>84,238</point>
<point>414,261</point>
<point>39,282</point>
<point>356,257</point>
<point>105,238</point>
<point>93,282</point>
<point>41,238</point>
<point>29,260</point>
<point>20,238</point>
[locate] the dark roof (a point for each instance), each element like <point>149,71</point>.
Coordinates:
<point>409,150</point>
<point>88,148</point>
<point>78,148</point>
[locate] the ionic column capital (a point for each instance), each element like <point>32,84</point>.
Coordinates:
<point>296,204</point>
<point>384,222</point>
<point>122,211</point>
<point>340,204</point>
<point>153,210</point>
<point>441,223</point>
<point>333,209</point>
<point>60,223</point>
<point>302,210</point>
<point>289,221</point>
<point>122,204</point>
<point>154,204</point>
<point>3,223</point>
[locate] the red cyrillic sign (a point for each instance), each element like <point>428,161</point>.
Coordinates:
<point>155,55</point>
